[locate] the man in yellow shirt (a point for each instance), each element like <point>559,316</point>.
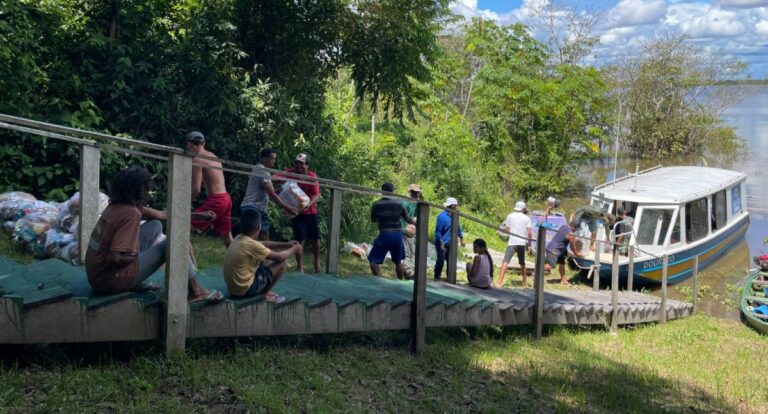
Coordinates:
<point>251,267</point>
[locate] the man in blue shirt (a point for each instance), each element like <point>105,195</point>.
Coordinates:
<point>443,234</point>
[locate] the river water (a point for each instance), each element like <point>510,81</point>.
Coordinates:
<point>720,281</point>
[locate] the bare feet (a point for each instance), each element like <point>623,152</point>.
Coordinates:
<point>564,282</point>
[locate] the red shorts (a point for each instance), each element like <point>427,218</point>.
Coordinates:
<point>221,204</point>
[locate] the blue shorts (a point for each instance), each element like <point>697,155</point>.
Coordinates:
<point>389,241</point>
<point>264,216</point>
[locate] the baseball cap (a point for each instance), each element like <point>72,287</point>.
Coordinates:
<point>451,202</point>
<point>414,187</point>
<point>301,158</point>
<point>520,206</point>
<point>196,136</point>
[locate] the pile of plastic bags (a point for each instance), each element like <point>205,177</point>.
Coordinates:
<point>47,229</point>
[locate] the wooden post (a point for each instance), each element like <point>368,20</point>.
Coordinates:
<point>664,270</point>
<point>453,252</point>
<point>695,281</point>
<point>334,227</point>
<point>631,268</point>
<point>90,160</point>
<point>538,282</point>
<point>177,252</point>
<point>615,290</point>
<point>596,271</point>
<point>419,304</point>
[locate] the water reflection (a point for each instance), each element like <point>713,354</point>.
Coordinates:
<point>720,280</point>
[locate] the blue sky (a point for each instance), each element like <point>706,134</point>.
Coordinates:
<point>730,28</point>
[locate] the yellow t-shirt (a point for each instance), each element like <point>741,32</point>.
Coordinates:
<point>243,257</point>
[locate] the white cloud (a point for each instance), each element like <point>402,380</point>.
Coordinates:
<point>635,12</point>
<point>738,4</point>
<point>700,20</point>
<point>761,27</point>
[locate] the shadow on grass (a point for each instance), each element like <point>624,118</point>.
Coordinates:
<point>464,370</point>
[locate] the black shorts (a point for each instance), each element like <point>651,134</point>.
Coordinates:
<point>511,251</point>
<point>555,258</point>
<point>305,227</point>
<point>262,282</point>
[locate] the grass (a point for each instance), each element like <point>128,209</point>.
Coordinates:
<point>700,364</point>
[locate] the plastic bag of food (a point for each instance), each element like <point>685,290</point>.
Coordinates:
<point>16,196</point>
<point>293,195</point>
<point>73,204</point>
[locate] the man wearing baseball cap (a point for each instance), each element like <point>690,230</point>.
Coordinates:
<point>519,225</point>
<point>305,224</point>
<point>443,234</point>
<point>208,174</point>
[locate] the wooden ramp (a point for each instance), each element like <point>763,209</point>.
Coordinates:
<point>50,302</point>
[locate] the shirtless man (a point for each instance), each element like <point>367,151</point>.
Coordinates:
<point>218,200</point>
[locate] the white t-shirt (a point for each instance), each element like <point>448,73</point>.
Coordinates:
<point>518,223</point>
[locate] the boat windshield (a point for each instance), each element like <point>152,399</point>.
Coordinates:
<point>654,224</point>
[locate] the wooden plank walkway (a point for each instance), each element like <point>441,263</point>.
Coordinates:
<point>50,302</point>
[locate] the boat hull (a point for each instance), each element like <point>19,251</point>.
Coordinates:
<point>747,316</point>
<point>649,271</point>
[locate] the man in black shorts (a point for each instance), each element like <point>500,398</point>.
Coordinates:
<point>557,249</point>
<point>305,224</point>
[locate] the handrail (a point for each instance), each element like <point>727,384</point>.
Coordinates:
<point>630,175</point>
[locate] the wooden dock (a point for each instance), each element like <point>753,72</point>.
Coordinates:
<point>50,302</point>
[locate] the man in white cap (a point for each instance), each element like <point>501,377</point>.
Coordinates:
<point>443,234</point>
<point>519,225</point>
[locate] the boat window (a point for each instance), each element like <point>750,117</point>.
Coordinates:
<point>696,222</point>
<point>719,210</point>
<point>654,224</point>
<point>736,199</point>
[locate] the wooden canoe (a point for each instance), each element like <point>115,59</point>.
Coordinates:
<point>753,296</point>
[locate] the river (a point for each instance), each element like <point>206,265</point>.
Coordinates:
<point>720,282</point>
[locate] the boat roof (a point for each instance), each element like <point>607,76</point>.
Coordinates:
<point>669,184</point>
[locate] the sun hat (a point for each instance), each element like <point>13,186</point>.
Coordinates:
<point>414,187</point>
<point>520,206</point>
<point>451,202</point>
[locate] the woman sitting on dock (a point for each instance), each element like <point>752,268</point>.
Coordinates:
<point>122,252</point>
<point>480,271</point>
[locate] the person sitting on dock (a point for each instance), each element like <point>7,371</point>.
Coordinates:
<point>519,243</point>
<point>557,249</point>
<point>480,271</point>
<point>251,267</point>
<point>443,234</point>
<point>122,252</point>
<point>208,174</point>
<point>387,213</point>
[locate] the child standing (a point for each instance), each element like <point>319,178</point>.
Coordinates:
<point>480,271</point>
<point>251,268</point>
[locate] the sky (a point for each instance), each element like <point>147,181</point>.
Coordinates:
<point>732,28</point>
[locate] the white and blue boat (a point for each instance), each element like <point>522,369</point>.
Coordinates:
<point>681,212</point>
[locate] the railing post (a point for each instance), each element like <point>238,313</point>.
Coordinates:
<point>664,270</point>
<point>334,227</point>
<point>90,160</point>
<point>453,252</point>
<point>695,281</point>
<point>596,271</point>
<point>615,290</point>
<point>177,252</point>
<point>538,282</point>
<point>631,268</point>
<point>419,303</point>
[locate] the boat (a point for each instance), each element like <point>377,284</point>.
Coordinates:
<point>752,298</point>
<point>681,212</point>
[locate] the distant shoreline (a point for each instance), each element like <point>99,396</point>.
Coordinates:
<point>742,82</point>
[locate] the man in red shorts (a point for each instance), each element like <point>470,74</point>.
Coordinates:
<point>208,173</point>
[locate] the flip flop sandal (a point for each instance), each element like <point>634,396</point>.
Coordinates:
<point>213,296</point>
<point>275,299</point>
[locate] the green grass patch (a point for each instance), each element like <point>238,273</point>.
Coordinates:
<point>700,364</point>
